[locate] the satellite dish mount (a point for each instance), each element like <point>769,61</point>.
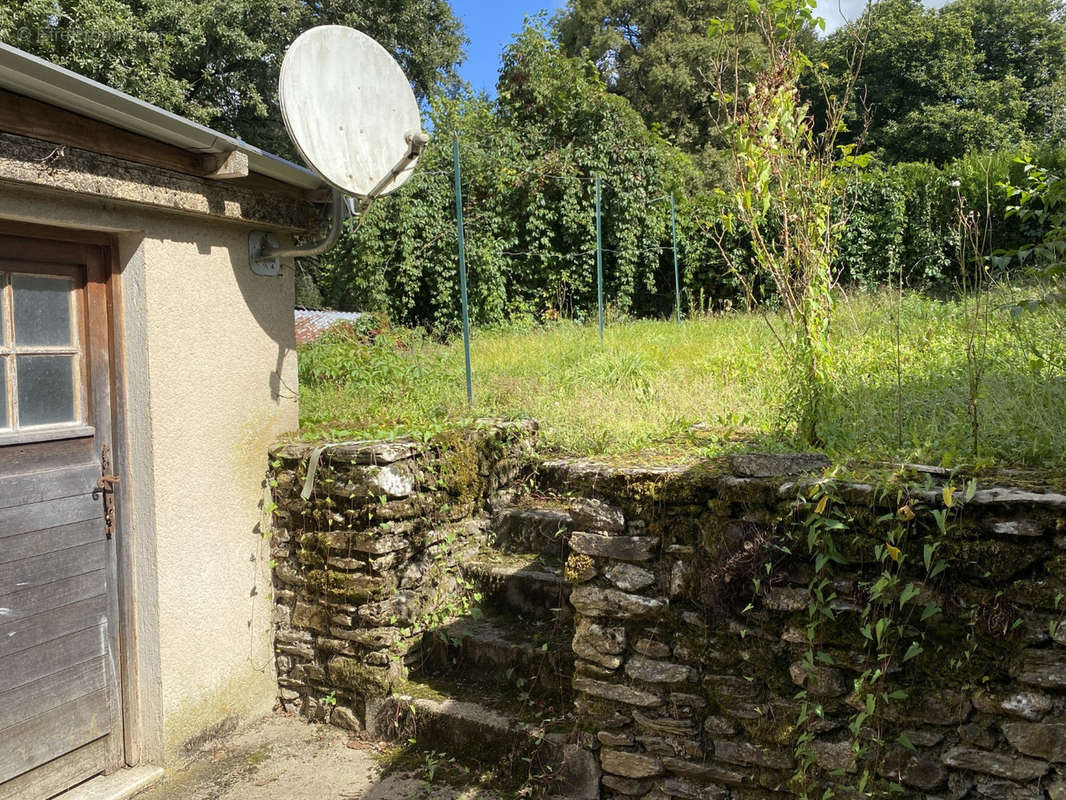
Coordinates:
<point>350,111</point>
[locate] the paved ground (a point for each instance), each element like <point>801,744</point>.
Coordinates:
<point>283,758</point>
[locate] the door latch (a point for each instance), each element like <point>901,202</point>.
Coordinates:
<point>105,487</point>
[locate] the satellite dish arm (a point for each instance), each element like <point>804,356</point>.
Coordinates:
<point>416,143</point>
<point>317,248</point>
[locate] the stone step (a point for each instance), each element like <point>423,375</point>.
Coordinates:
<point>532,530</point>
<point>529,585</point>
<point>532,657</point>
<point>464,722</point>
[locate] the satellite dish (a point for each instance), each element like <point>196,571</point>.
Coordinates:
<point>349,110</point>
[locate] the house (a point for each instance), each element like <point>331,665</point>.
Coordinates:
<point>144,370</point>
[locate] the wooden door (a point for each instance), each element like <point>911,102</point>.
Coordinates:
<point>60,720</point>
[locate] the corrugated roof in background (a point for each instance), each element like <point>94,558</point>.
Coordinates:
<point>310,323</point>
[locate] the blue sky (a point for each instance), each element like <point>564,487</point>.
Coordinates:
<point>490,24</point>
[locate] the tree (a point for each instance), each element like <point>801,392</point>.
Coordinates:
<point>217,61</point>
<point>976,74</point>
<point>657,54</point>
<point>528,164</point>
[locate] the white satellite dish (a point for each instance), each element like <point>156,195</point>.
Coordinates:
<point>350,111</point>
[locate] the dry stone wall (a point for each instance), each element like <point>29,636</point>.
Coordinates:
<point>370,556</point>
<point>690,668</point>
<point>691,657</point>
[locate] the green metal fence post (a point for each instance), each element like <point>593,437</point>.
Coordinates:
<point>673,241</point>
<point>462,270</point>
<point>599,259</point>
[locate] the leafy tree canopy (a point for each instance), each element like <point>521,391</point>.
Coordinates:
<point>528,162</point>
<point>217,61</point>
<point>659,56</point>
<point>975,74</point>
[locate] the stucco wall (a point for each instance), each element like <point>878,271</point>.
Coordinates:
<point>210,381</point>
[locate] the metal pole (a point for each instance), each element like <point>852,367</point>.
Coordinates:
<point>599,259</point>
<point>673,240</point>
<point>462,271</point>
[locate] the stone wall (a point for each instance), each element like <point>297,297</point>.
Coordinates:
<point>370,555</point>
<point>692,658</point>
<point>690,654</point>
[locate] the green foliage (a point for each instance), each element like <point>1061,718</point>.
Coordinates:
<point>1039,203</point>
<point>788,186</point>
<point>527,160</point>
<point>659,56</point>
<point>983,74</point>
<point>217,61</point>
<point>900,569</point>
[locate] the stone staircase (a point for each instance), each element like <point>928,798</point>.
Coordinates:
<point>494,686</point>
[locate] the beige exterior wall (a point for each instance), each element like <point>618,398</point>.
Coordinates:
<point>209,368</point>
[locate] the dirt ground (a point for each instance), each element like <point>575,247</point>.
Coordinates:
<point>284,758</point>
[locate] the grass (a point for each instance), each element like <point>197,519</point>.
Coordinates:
<point>711,385</point>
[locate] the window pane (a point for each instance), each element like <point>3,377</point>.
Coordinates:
<point>4,402</point>
<point>46,390</point>
<point>42,310</point>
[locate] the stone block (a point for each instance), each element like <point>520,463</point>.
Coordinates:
<point>996,789</point>
<point>600,644</point>
<point>1027,705</point>
<point>628,786</point>
<point>838,755</point>
<point>819,681</point>
<point>351,673</point>
<point>768,465</point>
<point>629,577</point>
<point>652,671</point>
<point>593,670</point>
<point>1000,765</point>
<point>622,548</point>
<point>651,648</point>
<point>594,602</point>
<point>344,717</point>
<point>1044,668</point>
<point>707,771</point>
<point>748,754</point>
<point>614,739</point>
<point>913,769</point>
<point>588,514</point>
<point>665,725</point>
<point>1046,740</point>
<point>617,692</point>
<point>630,765</point>
<point>684,788</point>
<point>374,638</point>
<point>308,614</point>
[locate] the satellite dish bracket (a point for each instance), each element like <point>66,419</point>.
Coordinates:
<point>264,252</point>
<point>416,143</point>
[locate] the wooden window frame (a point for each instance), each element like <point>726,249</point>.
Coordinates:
<point>10,350</point>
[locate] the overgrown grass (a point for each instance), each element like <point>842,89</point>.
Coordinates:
<point>707,386</point>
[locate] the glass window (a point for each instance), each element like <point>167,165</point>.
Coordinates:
<point>41,361</point>
<point>46,389</point>
<point>42,310</point>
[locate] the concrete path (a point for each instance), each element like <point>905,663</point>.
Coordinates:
<point>283,758</point>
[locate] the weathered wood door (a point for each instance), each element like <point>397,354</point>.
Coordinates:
<point>60,720</point>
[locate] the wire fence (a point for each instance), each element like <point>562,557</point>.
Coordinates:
<point>598,250</point>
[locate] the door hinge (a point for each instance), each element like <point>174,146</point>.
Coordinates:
<point>106,487</point>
